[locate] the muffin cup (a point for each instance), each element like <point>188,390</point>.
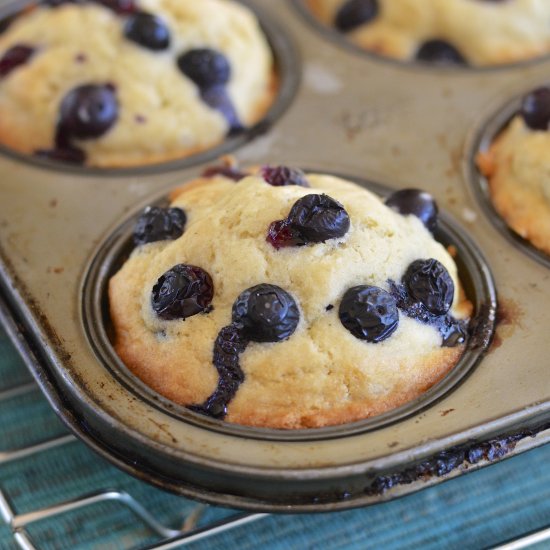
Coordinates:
<point>286,77</point>
<point>340,39</point>
<point>474,273</point>
<point>481,141</point>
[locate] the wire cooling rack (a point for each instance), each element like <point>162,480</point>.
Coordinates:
<point>168,537</point>
<point>56,494</point>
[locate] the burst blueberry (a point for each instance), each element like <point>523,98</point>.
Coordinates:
<point>355,13</point>
<point>369,313</point>
<point>439,51</point>
<point>148,31</point>
<point>87,111</point>
<point>279,176</point>
<point>205,67</point>
<point>14,57</point>
<point>159,224</point>
<point>312,219</point>
<point>415,202</point>
<point>217,98</point>
<point>430,283</point>
<point>181,292</point>
<point>267,313</point>
<point>535,109</point>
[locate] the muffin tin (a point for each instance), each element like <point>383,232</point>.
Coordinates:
<point>63,230</point>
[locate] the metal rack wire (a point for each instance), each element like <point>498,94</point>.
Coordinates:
<point>167,537</point>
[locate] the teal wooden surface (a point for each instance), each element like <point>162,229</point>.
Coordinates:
<point>478,510</point>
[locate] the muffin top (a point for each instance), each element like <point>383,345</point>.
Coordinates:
<point>115,83</point>
<point>288,300</point>
<point>517,166</point>
<point>474,32</point>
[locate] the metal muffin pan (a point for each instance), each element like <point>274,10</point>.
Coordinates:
<point>355,115</point>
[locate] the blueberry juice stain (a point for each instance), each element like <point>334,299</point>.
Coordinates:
<point>229,344</point>
<point>262,313</point>
<point>453,331</point>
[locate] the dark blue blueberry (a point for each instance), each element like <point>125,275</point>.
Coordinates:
<point>430,283</point>
<point>535,109</point>
<point>279,176</point>
<point>415,202</point>
<point>439,51</point>
<point>355,13</point>
<point>312,219</point>
<point>148,31</point>
<point>369,313</point>
<point>217,98</point>
<point>267,313</point>
<point>181,292</point>
<point>14,57</point>
<point>70,155</point>
<point>205,67</point>
<point>159,224</point>
<point>87,111</point>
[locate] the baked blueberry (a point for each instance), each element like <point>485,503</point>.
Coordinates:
<point>430,283</point>
<point>279,176</point>
<point>415,202</point>
<point>87,111</point>
<point>535,109</point>
<point>369,313</point>
<point>14,57</point>
<point>181,292</point>
<point>355,13</point>
<point>267,313</point>
<point>439,51</point>
<point>147,30</point>
<point>205,67</point>
<point>217,98</point>
<point>122,7</point>
<point>312,219</point>
<point>159,224</point>
<point>226,170</point>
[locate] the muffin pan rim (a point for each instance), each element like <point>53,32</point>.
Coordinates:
<point>94,306</point>
<point>287,77</point>
<point>335,500</point>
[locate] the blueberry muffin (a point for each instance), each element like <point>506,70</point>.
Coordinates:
<point>473,32</point>
<point>517,167</point>
<point>288,300</point>
<point>115,83</point>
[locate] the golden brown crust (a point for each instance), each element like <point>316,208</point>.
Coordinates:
<point>322,375</point>
<point>516,168</point>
